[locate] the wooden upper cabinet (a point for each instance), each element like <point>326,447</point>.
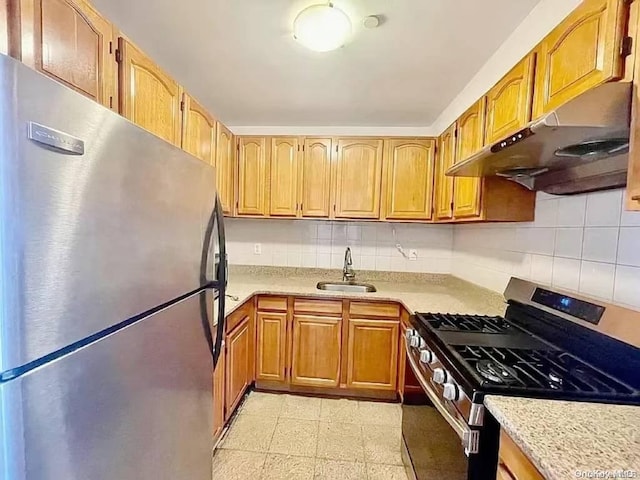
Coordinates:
<point>444,184</point>
<point>372,359</point>
<point>580,53</point>
<point>409,166</point>
<point>198,130</point>
<point>509,101</point>
<point>252,176</point>
<point>225,164</point>
<point>316,351</point>
<point>315,183</point>
<point>148,96</point>
<point>633,175</point>
<point>71,42</point>
<point>271,346</point>
<point>467,190</point>
<point>358,178</point>
<point>284,177</point>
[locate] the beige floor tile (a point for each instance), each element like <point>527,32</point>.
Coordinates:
<point>237,465</point>
<point>295,437</point>
<point>339,410</point>
<point>340,441</point>
<point>287,467</point>
<point>264,404</point>
<point>339,470</point>
<point>378,413</point>
<point>302,408</point>
<point>251,433</point>
<point>382,444</point>
<point>386,472</point>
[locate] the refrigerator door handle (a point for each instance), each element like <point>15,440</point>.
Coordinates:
<point>219,283</point>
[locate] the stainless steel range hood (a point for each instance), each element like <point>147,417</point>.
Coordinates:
<point>581,146</point>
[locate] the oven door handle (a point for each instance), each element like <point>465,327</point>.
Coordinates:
<point>468,436</point>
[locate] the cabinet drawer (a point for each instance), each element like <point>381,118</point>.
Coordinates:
<point>278,304</point>
<point>235,318</point>
<point>313,305</point>
<point>368,309</point>
<point>515,462</point>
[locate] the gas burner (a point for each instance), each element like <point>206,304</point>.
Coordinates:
<point>496,371</point>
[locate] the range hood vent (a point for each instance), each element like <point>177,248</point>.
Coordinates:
<point>581,146</point>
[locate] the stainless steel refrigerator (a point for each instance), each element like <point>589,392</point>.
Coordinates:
<point>112,282</point>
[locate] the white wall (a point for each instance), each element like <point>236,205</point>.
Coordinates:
<point>585,243</point>
<point>540,21</point>
<point>309,243</point>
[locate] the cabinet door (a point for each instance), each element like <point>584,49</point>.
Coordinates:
<point>315,180</point>
<point>580,53</point>
<point>238,364</point>
<point>252,176</point>
<point>503,473</point>
<point>225,167</point>
<point>71,42</point>
<point>316,351</point>
<point>409,179</point>
<point>466,190</point>
<point>148,96</point>
<point>359,171</point>
<point>444,184</point>
<point>198,130</point>
<point>218,396</point>
<point>284,177</point>
<point>372,360</point>
<point>509,101</point>
<point>271,348</point>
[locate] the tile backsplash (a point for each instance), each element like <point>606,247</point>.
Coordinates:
<point>309,243</point>
<point>584,243</point>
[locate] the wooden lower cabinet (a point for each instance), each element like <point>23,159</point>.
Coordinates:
<point>372,354</point>
<point>316,351</point>
<point>238,363</point>
<point>219,396</point>
<point>513,464</point>
<point>271,346</point>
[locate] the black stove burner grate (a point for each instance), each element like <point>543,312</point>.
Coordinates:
<point>538,369</point>
<point>466,323</point>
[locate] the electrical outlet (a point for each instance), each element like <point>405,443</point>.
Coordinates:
<point>413,254</point>
<point>257,249</point>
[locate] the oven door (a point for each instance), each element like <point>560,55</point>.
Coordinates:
<point>437,443</point>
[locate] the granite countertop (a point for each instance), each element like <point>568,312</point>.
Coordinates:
<point>562,438</point>
<point>417,292</point>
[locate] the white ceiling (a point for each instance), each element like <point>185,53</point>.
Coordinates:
<point>239,59</point>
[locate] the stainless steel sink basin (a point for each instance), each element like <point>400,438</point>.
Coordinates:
<point>346,287</point>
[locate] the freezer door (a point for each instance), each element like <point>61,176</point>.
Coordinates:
<point>135,405</point>
<point>91,233</point>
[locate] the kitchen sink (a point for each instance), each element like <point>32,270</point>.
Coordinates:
<point>346,287</point>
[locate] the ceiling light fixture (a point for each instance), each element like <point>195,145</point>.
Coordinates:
<point>322,28</point>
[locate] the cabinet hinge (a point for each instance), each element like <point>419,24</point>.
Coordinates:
<point>110,48</point>
<point>301,204</point>
<point>336,148</point>
<point>110,102</point>
<point>182,105</point>
<point>626,47</point>
<point>455,133</point>
<point>118,55</point>
<point>303,148</point>
<point>334,207</point>
<point>451,206</point>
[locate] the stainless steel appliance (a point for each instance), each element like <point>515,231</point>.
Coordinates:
<point>549,345</point>
<point>579,147</point>
<point>112,278</point>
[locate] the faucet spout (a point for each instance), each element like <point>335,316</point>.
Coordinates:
<point>348,274</point>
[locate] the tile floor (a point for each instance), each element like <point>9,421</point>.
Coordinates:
<point>288,437</point>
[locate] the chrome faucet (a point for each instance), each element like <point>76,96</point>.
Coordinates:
<point>348,275</point>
